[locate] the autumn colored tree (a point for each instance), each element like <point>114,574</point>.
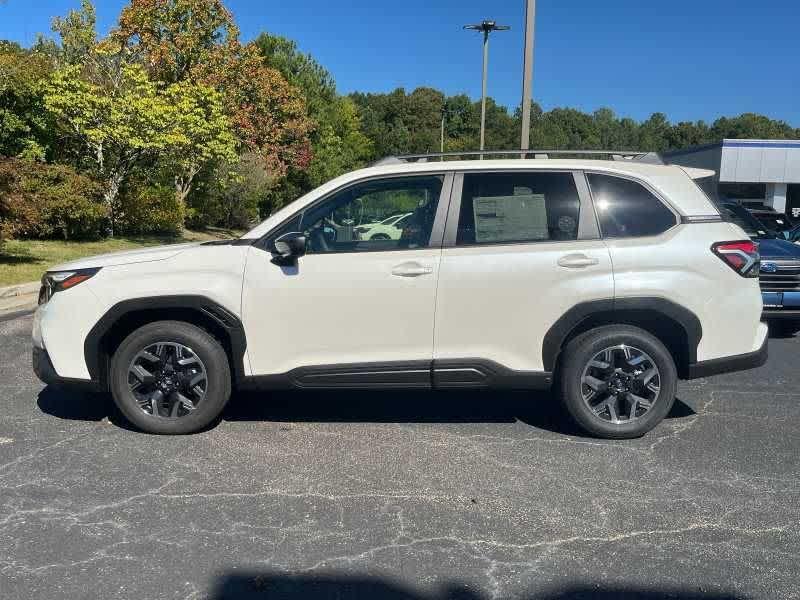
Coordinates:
<point>176,38</point>
<point>338,143</point>
<point>197,41</point>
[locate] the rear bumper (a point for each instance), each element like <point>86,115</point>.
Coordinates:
<point>729,364</point>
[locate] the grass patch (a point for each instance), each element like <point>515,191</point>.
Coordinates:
<point>22,261</point>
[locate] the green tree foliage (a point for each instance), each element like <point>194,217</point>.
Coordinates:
<point>130,119</point>
<point>402,123</point>
<point>147,207</point>
<point>25,127</point>
<point>234,193</point>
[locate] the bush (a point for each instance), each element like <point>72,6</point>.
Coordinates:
<point>45,201</point>
<point>229,195</point>
<point>145,209</point>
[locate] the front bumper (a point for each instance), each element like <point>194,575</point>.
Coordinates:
<point>781,305</point>
<point>729,364</point>
<point>44,370</point>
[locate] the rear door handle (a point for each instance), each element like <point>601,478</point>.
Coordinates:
<point>411,269</point>
<point>577,261</point>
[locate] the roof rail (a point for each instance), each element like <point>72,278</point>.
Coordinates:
<point>635,155</point>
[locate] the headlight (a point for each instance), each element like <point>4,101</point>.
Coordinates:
<point>56,281</point>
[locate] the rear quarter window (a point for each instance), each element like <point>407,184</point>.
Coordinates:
<point>626,208</point>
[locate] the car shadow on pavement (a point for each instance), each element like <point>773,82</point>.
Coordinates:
<point>80,405</point>
<point>240,585</point>
<point>537,409</point>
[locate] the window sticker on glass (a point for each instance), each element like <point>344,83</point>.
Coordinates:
<point>510,218</point>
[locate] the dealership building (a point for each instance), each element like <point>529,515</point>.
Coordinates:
<point>765,171</point>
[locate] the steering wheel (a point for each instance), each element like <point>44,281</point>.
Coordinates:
<point>322,237</point>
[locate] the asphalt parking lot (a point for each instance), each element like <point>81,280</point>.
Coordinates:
<point>400,495</point>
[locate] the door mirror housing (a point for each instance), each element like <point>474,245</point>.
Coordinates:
<point>289,247</point>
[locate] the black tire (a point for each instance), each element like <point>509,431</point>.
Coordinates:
<point>784,327</point>
<point>584,348</point>
<point>380,236</point>
<point>206,348</point>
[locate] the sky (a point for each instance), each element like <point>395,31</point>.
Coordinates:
<point>690,59</point>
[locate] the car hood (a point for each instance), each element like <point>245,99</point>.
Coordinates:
<point>778,249</point>
<point>126,257</point>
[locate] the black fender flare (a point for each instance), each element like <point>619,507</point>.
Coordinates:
<point>209,309</point>
<point>566,324</point>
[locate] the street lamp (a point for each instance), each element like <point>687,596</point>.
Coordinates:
<point>486,27</point>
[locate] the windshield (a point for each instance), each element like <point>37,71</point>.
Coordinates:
<point>733,213</point>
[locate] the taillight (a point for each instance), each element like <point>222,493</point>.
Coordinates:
<point>741,256</point>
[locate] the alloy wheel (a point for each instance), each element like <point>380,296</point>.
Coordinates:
<point>168,380</point>
<point>620,384</point>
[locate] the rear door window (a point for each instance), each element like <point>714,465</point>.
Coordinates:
<point>502,208</point>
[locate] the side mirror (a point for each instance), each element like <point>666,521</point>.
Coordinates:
<point>289,247</point>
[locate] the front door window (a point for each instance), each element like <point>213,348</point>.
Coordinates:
<point>389,214</point>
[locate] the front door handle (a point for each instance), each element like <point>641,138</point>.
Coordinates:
<point>577,261</point>
<point>411,269</point>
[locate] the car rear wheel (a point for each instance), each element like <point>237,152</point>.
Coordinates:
<point>170,377</point>
<point>617,381</point>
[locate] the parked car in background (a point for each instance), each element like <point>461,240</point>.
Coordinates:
<point>390,228</point>
<point>779,274</point>
<point>771,219</point>
<point>610,279</point>
<point>793,234</point>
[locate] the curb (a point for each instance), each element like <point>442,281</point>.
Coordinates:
<point>20,289</point>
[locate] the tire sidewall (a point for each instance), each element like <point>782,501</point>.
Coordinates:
<point>587,346</point>
<point>207,349</point>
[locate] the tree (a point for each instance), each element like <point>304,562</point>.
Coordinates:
<point>339,146</point>
<point>750,125</point>
<point>78,33</point>
<point>135,120</point>
<point>337,143</point>
<point>199,132</point>
<point>25,129</point>
<point>197,41</point>
<point>175,38</point>
<point>300,70</point>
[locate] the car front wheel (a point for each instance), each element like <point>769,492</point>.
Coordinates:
<point>170,377</point>
<point>617,381</point>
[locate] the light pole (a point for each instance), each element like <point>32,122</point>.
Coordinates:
<point>527,73</point>
<point>486,27</point>
<point>444,115</point>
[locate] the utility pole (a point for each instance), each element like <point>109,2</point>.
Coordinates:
<point>444,114</point>
<point>486,27</point>
<point>527,73</point>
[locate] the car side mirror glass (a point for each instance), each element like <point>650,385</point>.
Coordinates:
<point>290,246</point>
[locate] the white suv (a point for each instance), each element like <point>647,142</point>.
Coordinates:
<point>609,280</point>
